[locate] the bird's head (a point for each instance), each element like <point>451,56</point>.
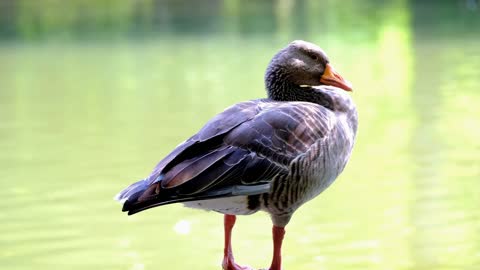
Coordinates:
<point>304,63</point>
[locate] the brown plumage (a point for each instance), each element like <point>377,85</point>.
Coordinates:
<point>270,154</point>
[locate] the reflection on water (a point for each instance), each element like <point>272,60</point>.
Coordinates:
<point>86,110</point>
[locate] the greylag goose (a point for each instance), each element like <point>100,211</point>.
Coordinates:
<point>272,154</point>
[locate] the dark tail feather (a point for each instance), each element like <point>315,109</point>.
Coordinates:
<point>136,204</point>
<point>132,192</point>
<point>140,194</point>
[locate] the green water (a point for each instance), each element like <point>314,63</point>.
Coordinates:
<point>84,115</point>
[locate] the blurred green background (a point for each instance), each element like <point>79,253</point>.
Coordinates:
<point>94,93</point>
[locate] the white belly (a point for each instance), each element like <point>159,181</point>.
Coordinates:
<point>231,205</point>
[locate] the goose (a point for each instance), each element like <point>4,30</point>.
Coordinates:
<point>271,154</point>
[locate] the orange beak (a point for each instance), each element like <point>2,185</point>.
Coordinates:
<point>331,77</point>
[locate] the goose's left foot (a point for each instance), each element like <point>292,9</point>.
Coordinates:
<point>228,260</point>
<point>229,264</point>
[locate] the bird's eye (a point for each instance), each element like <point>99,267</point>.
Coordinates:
<point>314,57</point>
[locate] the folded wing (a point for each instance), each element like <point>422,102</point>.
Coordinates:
<point>238,152</point>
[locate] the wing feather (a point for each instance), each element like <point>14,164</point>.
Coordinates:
<point>238,151</point>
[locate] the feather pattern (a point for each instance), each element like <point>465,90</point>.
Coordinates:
<point>246,146</point>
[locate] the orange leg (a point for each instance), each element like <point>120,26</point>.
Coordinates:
<point>277,233</point>
<point>228,260</point>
